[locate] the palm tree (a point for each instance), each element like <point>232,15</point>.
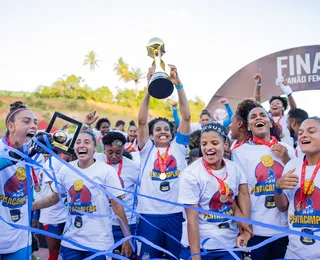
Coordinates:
<point>136,75</point>
<point>90,59</point>
<point>122,70</point>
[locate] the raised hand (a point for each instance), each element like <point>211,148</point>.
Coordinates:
<point>174,77</point>
<point>91,118</point>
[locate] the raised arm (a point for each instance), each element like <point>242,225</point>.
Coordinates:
<point>225,102</point>
<point>175,114</point>
<point>288,91</point>
<point>257,89</point>
<point>143,129</point>
<point>46,202</point>
<point>184,127</point>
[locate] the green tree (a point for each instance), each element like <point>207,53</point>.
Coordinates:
<point>91,59</point>
<point>122,70</point>
<point>136,75</point>
<point>103,94</point>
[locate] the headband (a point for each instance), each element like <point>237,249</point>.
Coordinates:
<point>12,113</point>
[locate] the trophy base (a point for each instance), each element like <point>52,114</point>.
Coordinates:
<point>160,86</point>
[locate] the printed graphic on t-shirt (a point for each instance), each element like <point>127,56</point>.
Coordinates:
<point>172,171</point>
<point>80,200</point>
<point>15,193</point>
<point>218,205</point>
<point>267,172</point>
<point>307,212</point>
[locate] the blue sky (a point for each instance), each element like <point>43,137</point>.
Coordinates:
<point>207,40</point>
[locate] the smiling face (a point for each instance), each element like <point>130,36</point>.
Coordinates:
<point>161,134</point>
<point>104,128</point>
<point>309,136</point>
<point>23,128</point>
<point>212,148</point>
<point>113,153</point>
<point>84,147</point>
<point>132,133</point>
<point>276,107</point>
<point>259,123</point>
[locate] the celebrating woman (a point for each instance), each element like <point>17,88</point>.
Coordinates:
<point>162,160</point>
<point>212,183</point>
<point>132,142</point>
<point>262,159</point>
<point>84,196</point>
<point>21,126</point>
<point>298,192</point>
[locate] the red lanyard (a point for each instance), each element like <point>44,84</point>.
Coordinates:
<point>278,122</point>
<point>263,142</point>
<point>303,177</point>
<point>99,139</point>
<point>129,148</point>
<point>222,188</point>
<point>237,145</point>
<point>34,176</point>
<point>119,168</point>
<point>163,161</point>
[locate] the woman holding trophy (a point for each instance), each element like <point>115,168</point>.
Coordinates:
<point>162,159</point>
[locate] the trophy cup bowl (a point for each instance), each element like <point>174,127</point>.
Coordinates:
<point>60,137</point>
<point>160,85</point>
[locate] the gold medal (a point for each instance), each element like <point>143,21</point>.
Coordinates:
<point>163,176</point>
<point>223,198</point>
<point>298,208</point>
<point>37,188</point>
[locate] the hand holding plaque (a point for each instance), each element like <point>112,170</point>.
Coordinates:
<point>160,85</point>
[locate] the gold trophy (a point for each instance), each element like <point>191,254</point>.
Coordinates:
<point>160,85</point>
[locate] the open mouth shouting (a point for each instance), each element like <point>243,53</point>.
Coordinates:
<point>82,152</point>
<point>210,154</point>
<point>259,124</point>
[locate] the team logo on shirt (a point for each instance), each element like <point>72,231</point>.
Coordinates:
<point>267,172</point>
<point>80,199</point>
<point>15,193</point>
<point>217,206</point>
<point>171,169</point>
<point>306,214</point>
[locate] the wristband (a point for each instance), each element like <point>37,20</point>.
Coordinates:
<point>86,125</point>
<point>179,87</point>
<point>277,190</point>
<point>289,94</point>
<point>258,84</point>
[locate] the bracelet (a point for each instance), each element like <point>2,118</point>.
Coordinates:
<point>86,125</point>
<point>277,190</point>
<point>258,84</point>
<point>179,87</point>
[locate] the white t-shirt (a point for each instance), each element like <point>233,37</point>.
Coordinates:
<point>306,219</point>
<point>197,186</point>
<point>282,124</point>
<point>57,213</point>
<point>91,231</point>
<point>14,204</point>
<point>262,169</point>
<point>134,150</point>
<point>151,185</point>
<point>128,177</point>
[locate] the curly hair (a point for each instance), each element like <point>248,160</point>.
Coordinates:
<point>101,121</point>
<point>158,119</point>
<point>283,100</point>
<point>244,108</point>
<point>112,136</point>
<point>194,141</point>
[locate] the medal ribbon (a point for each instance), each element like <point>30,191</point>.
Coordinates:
<point>278,121</point>
<point>222,188</point>
<point>303,177</point>
<point>263,142</point>
<point>34,176</point>
<point>237,145</point>
<point>130,146</point>
<point>119,168</point>
<point>163,161</point>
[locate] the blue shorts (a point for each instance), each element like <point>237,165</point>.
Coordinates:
<point>213,254</point>
<point>169,223</point>
<point>23,253</point>
<point>118,235</point>
<point>67,253</point>
<point>274,250</point>
<point>54,228</point>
